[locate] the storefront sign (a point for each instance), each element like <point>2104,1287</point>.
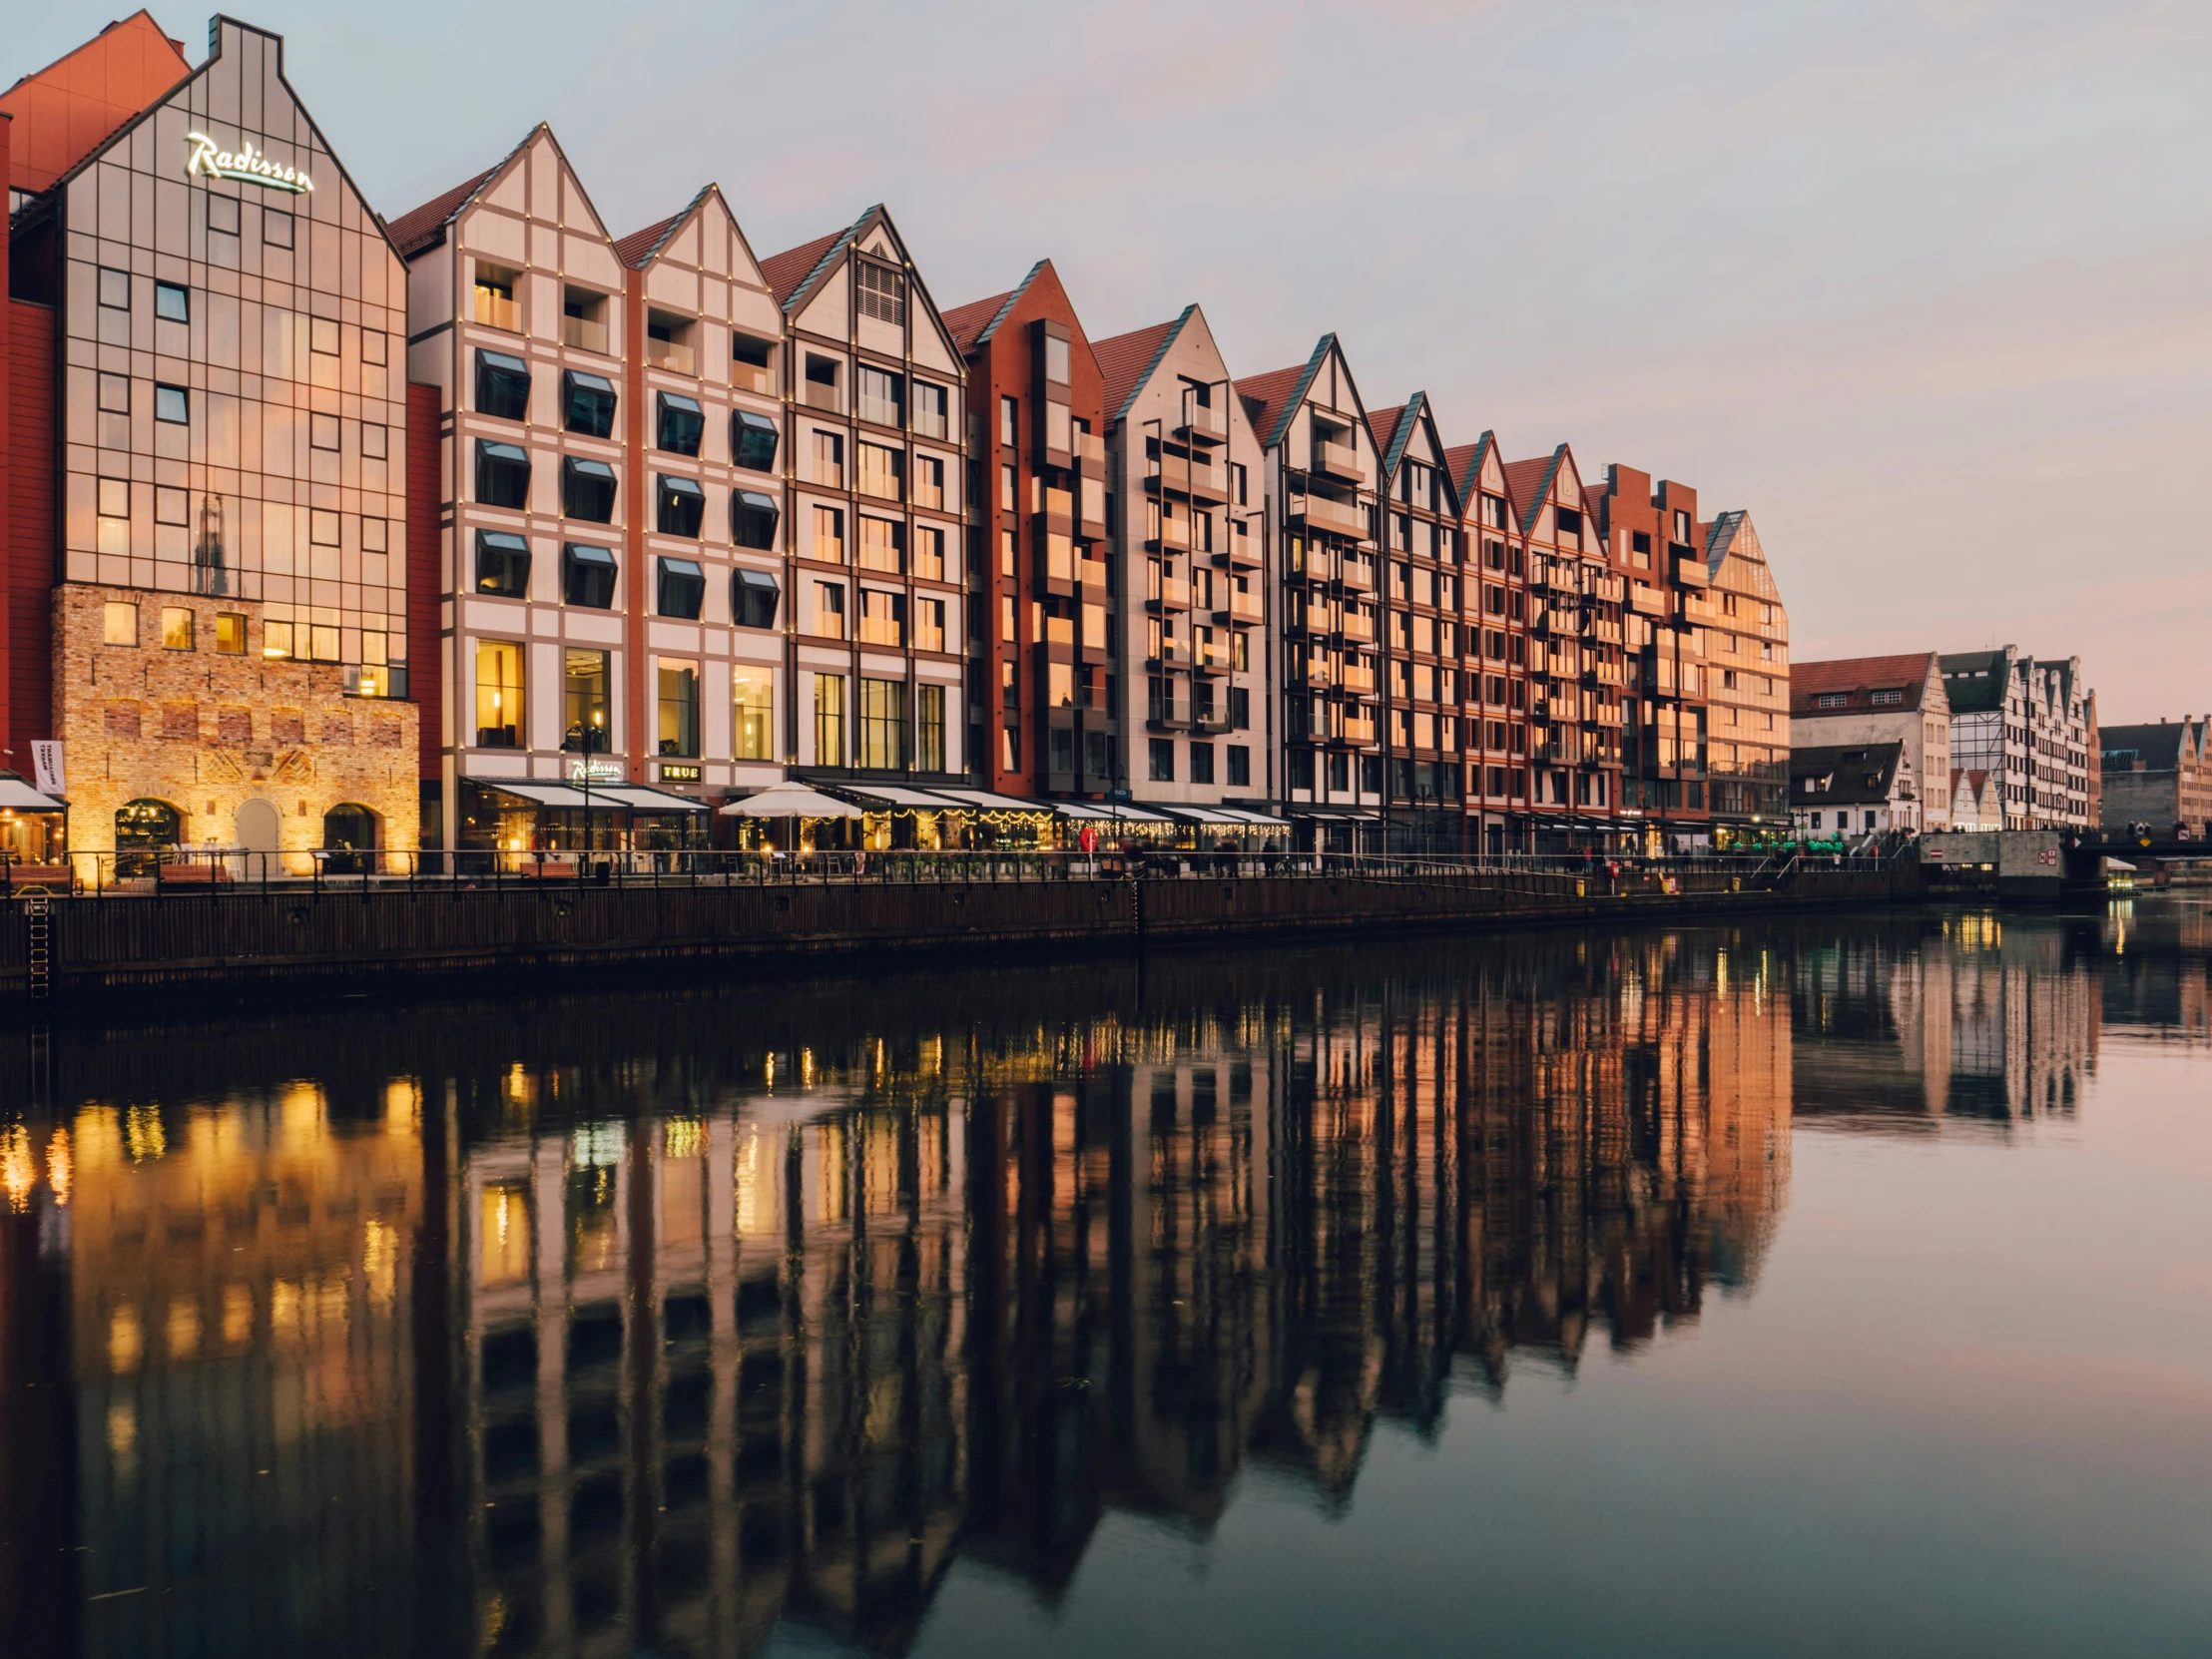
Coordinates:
<point>679,774</point>
<point>597,772</point>
<point>50,777</point>
<point>247,165</point>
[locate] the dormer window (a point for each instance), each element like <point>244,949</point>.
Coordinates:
<point>502,385</point>
<point>679,423</point>
<point>883,293</point>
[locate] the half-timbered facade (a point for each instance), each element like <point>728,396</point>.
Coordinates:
<point>1423,723</point>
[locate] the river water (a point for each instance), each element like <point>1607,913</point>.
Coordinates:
<point>1833,1284</point>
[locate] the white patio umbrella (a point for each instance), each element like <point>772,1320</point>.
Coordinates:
<point>791,801</point>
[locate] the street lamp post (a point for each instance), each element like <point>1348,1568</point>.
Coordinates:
<point>587,739</point>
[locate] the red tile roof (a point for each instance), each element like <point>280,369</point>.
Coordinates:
<point>1457,459</point>
<point>1125,358</point>
<point>1268,391</point>
<point>1907,672</point>
<point>632,249</point>
<point>967,322</point>
<point>1522,480</point>
<point>425,227</point>
<point>1384,424</point>
<point>785,270</point>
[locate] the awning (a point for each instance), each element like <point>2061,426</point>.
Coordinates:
<point>643,800</point>
<point>892,795</point>
<point>1202,814</point>
<point>1090,812</point>
<point>18,796</point>
<point>790,801</point>
<point>542,795</point>
<point>982,800</point>
<point>1244,814</point>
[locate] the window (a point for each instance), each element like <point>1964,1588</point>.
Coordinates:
<point>584,319</point>
<point>1240,707</point>
<point>753,693</point>
<point>752,518</point>
<point>502,564</point>
<point>882,617</point>
<point>1161,756</point>
<point>882,397</point>
<point>679,506</point>
<point>933,419</point>
<point>229,633</point>
<point>1240,766</point>
<point>322,432</point>
<point>1201,763</point>
<point>1009,420</point>
<point>498,694</point>
<point>828,544</point>
<point>503,474</point>
<point>752,362</point>
<point>683,589</point>
<point>277,639</point>
<point>587,576</point>
<point>1056,359</point>
<point>829,716</point>
<point>376,444</point>
<point>753,441</point>
<point>115,289</point>
<point>177,629</point>
<point>668,342</point>
<point>883,731</point>
<point>829,459</point>
<point>829,618</point>
<point>754,598</point>
<point>928,625</point>
<point>115,394</point>
<point>121,624</point>
<point>1006,488</point>
<point>1238,485</point>
<point>928,481</point>
<point>323,335</point>
<point>677,733</point>
<point>172,302</point>
<point>680,424</point>
<point>1059,434</point>
<point>883,293</point>
<point>882,472</point>
<point>587,403</point>
<point>882,545</point>
<point>172,404</point>
<point>929,728</point>
<point>584,675</point>
<point>588,489</point>
<point>276,227</point>
<point>928,559</point>
<point>1833,699</point>
<point>113,502</point>
<point>1888,698</point>
<point>820,389</point>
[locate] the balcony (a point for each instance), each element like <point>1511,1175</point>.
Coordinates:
<point>1241,553</point>
<point>1358,729</point>
<point>1238,607</point>
<point>752,378</point>
<point>1207,425</point>
<point>1358,627</point>
<point>673,356</point>
<point>1647,601</point>
<point>1357,575</point>
<point>1690,571</point>
<point>1174,595</point>
<point>1339,458</point>
<point>1174,654</point>
<point>1091,573</point>
<point>1312,673</point>
<point>584,335</point>
<point>498,311</point>
<point>1172,536</point>
<point>1090,453</point>
<point>815,395</point>
<point>1090,502</point>
<point>1322,513</point>
<point>1168,715</point>
<point>1356,678</point>
<point>1059,635</point>
<point>1700,610</point>
<point>1058,506</point>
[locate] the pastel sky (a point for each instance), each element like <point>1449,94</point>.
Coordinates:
<point>1925,287</point>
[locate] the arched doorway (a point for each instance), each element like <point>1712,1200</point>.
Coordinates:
<point>349,838</point>
<point>258,825</point>
<point>142,830</point>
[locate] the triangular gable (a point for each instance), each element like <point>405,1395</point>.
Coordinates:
<point>874,232</point>
<point>422,228</point>
<point>641,248</point>
<point>1280,393</point>
<point>1415,435</point>
<point>70,109</point>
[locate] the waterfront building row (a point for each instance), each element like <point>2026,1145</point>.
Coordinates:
<point>492,524</point>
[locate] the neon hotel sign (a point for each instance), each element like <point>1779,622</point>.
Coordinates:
<point>247,166</point>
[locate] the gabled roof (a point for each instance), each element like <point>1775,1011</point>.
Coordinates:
<point>1271,398</point>
<point>2158,746</point>
<point>979,318</point>
<point>787,273</point>
<point>1466,464</point>
<point>1848,774</point>
<point>1857,675</point>
<point>1385,427</point>
<point>425,227</point>
<point>76,104</point>
<point>1529,484</point>
<point>640,246</point>
<point>1126,362</point>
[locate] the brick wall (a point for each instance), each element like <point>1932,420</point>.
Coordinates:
<point>207,731</point>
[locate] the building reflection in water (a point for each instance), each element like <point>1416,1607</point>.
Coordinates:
<point>662,1318</point>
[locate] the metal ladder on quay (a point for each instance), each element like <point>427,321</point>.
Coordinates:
<point>38,928</point>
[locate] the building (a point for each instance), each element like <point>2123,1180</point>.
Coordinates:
<point>610,502</point>
<point>208,589</point>
<point>2026,724</point>
<point>2159,774</point>
<point>1423,660</point>
<point>1853,789</point>
<point>876,386</point>
<point>1190,577</point>
<point>1747,672</point>
<point>1849,702</point>
<point>1647,531</point>
<point>1494,646</point>
<point>1321,470</point>
<point>1041,616</point>
<point>1576,664</point>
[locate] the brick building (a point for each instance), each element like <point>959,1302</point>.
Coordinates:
<point>2159,774</point>
<point>206,574</point>
<point>1040,625</point>
<point>1493,652</point>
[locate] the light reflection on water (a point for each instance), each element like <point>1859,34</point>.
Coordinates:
<point>698,1321</point>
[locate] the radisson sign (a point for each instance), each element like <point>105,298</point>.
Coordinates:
<point>247,165</point>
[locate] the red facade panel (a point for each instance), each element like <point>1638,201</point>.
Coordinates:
<point>425,662</point>
<point>32,529</point>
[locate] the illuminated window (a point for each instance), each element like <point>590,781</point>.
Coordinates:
<point>177,627</point>
<point>754,706</point>
<point>498,694</point>
<point>121,623</point>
